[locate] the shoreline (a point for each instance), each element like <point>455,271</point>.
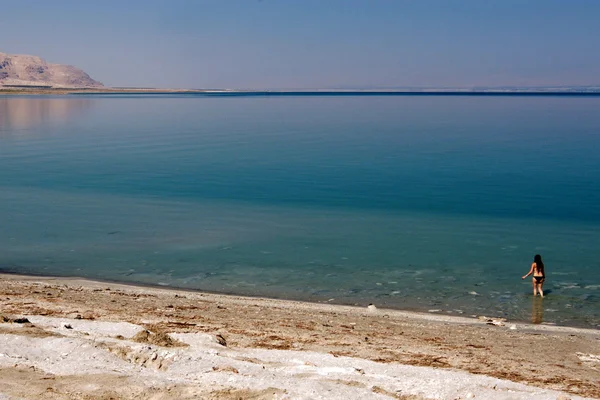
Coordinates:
<point>9,91</point>
<point>291,303</point>
<point>543,357</point>
<point>438,315</point>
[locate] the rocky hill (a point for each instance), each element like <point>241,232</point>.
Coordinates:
<point>24,70</point>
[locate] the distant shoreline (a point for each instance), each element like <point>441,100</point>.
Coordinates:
<point>593,92</point>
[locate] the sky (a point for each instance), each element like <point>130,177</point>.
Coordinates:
<point>307,44</point>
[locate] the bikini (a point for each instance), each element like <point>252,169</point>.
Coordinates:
<point>539,279</point>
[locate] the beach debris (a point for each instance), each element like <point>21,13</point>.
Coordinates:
<point>470,395</point>
<point>513,327</point>
<point>590,360</point>
<point>492,321</point>
<point>393,395</point>
<point>226,368</point>
<point>142,336</point>
<point>68,326</point>
<point>158,339</point>
<point>360,370</point>
<point>474,293</point>
<point>434,310</point>
<point>86,315</point>
<point>144,357</point>
<point>20,321</point>
<point>221,340</point>
<point>371,307</point>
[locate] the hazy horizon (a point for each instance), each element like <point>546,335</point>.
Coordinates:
<point>314,45</point>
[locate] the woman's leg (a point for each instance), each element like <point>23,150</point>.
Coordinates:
<point>534,287</point>
<point>540,288</point>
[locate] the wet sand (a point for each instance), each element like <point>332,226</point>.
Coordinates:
<point>199,345</point>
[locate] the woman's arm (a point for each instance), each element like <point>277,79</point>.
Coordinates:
<point>530,271</point>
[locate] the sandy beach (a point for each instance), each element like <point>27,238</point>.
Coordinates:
<point>63,338</point>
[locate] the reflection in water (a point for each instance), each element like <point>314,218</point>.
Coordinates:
<point>18,113</point>
<point>537,310</point>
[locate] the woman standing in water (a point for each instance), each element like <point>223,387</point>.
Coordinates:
<point>537,269</point>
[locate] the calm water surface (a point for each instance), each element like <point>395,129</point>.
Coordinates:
<point>428,203</point>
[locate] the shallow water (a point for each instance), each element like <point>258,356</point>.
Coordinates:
<point>428,203</point>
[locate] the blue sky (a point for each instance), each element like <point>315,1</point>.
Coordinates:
<point>312,44</point>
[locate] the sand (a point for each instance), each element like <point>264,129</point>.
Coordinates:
<point>63,338</point>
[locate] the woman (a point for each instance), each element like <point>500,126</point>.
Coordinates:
<point>537,269</point>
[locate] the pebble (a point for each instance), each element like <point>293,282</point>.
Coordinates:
<point>221,340</point>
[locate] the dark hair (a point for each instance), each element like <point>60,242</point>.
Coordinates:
<point>540,264</point>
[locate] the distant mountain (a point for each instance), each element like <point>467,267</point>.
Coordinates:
<point>24,70</point>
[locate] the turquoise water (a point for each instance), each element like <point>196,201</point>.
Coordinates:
<point>416,202</point>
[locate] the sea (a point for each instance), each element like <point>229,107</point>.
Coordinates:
<point>433,203</point>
